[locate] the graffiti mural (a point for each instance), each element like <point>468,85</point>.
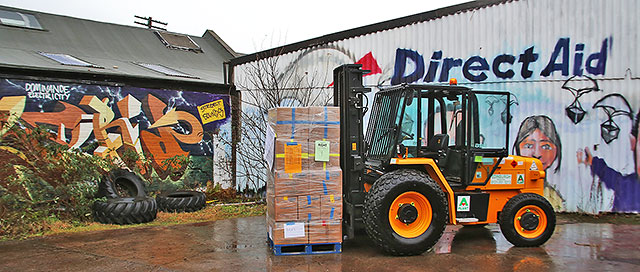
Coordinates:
<point>575,112</point>
<point>109,121</point>
<point>574,97</point>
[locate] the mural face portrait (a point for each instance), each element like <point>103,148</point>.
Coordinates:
<point>538,145</point>
<point>538,138</point>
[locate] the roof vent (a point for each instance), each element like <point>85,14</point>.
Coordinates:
<point>65,59</point>
<point>164,70</point>
<point>178,41</point>
<point>13,18</point>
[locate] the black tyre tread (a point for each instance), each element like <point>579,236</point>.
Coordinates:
<point>375,197</point>
<point>513,205</point>
<point>195,202</point>
<point>124,211</point>
<point>107,185</point>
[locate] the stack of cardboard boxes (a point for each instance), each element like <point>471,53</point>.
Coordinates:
<point>304,188</point>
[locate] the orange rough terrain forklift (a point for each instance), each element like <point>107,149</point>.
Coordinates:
<point>433,155</point>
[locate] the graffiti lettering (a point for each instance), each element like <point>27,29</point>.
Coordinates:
<point>44,91</point>
<point>212,111</point>
<point>75,124</point>
<point>410,66</point>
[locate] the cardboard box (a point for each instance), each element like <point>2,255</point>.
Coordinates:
<point>290,123</point>
<point>309,207</point>
<point>292,155</point>
<point>325,231</point>
<point>280,183</point>
<point>331,207</point>
<point>324,154</point>
<point>319,132</point>
<point>287,233</point>
<point>282,208</point>
<point>324,116</point>
<point>327,182</point>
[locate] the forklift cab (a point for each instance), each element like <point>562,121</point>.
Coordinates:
<point>453,125</point>
<point>434,155</point>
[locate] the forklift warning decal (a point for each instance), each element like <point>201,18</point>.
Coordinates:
<point>501,179</point>
<point>520,179</point>
<point>464,202</point>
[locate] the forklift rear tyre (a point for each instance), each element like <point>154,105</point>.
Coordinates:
<point>527,220</point>
<point>405,212</point>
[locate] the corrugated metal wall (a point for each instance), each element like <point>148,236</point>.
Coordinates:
<point>547,53</point>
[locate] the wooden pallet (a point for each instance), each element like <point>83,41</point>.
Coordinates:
<point>305,249</point>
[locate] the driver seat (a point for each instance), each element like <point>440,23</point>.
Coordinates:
<point>437,149</point>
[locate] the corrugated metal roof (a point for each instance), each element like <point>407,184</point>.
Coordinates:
<point>115,47</point>
<point>355,32</point>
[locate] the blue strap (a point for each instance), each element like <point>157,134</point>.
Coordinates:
<point>332,210</point>
<point>324,182</point>
<point>326,119</point>
<point>293,122</point>
<point>308,200</point>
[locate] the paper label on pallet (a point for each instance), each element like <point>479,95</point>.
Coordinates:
<point>322,151</point>
<point>269,147</point>
<point>501,179</point>
<point>292,158</point>
<point>293,230</point>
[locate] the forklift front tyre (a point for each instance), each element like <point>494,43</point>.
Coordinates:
<point>527,220</point>
<point>405,212</point>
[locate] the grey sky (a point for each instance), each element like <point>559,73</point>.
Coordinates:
<point>247,26</point>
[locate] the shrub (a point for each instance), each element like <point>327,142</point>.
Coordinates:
<point>44,180</point>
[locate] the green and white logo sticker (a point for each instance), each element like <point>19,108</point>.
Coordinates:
<point>464,202</point>
<point>520,179</point>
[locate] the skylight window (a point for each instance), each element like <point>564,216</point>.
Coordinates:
<point>68,60</point>
<point>165,70</point>
<point>178,41</point>
<point>13,18</point>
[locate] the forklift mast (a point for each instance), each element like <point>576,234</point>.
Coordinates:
<point>348,94</point>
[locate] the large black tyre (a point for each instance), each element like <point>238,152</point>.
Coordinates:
<point>527,220</point>
<point>121,183</point>
<point>123,211</point>
<point>181,201</point>
<point>392,188</point>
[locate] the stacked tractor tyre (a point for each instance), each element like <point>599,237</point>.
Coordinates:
<point>127,201</point>
<point>181,201</point>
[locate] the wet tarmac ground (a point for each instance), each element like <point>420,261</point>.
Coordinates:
<point>239,245</point>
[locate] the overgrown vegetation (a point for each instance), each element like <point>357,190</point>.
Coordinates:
<point>47,186</point>
<point>44,181</point>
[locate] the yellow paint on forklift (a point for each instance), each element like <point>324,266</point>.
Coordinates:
<point>434,172</point>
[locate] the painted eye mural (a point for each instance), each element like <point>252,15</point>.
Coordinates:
<point>613,105</point>
<point>578,86</point>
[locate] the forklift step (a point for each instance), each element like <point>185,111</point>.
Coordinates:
<point>467,220</point>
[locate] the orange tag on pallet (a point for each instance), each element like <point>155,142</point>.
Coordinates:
<point>292,158</point>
